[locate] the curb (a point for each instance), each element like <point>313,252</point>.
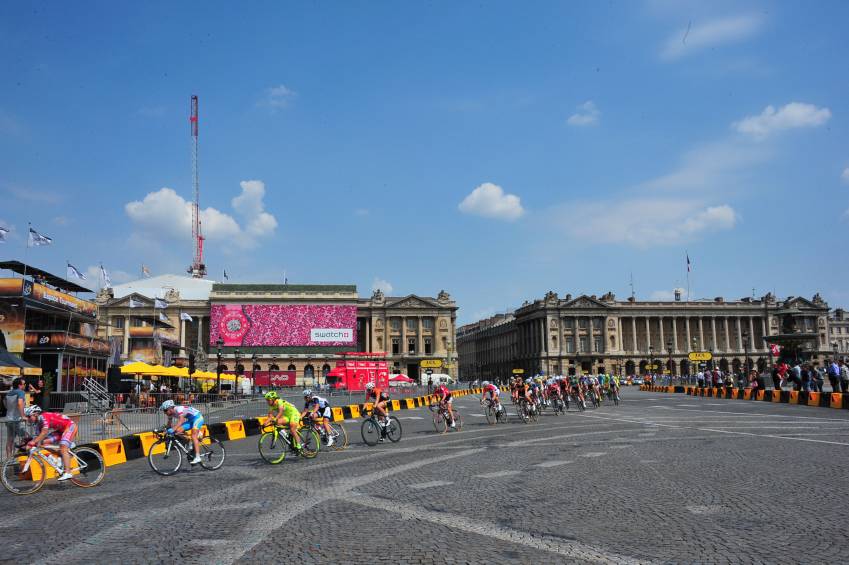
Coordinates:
<point>836,400</point>
<point>120,450</point>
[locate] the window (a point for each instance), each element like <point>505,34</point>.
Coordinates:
<point>411,345</point>
<point>596,323</point>
<point>396,346</point>
<point>427,323</point>
<point>412,324</point>
<point>395,324</point>
<point>568,323</point>
<point>570,345</point>
<point>428,346</point>
<point>582,323</point>
<point>291,368</point>
<point>584,343</point>
<point>118,321</point>
<point>597,345</point>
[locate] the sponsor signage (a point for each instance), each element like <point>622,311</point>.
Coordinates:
<point>283,325</point>
<point>652,366</point>
<point>331,335</point>
<point>45,295</point>
<point>431,363</point>
<point>700,356</point>
<point>518,371</point>
<point>61,340</point>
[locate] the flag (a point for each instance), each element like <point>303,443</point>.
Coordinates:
<point>185,317</point>
<point>75,273</point>
<point>225,275</point>
<point>163,317</point>
<point>688,262</point>
<point>775,349</point>
<point>36,239</point>
<point>3,232</point>
<point>135,303</point>
<point>145,271</point>
<point>107,282</point>
<point>159,303</point>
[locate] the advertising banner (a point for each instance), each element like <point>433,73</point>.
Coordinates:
<point>168,336</point>
<point>40,293</point>
<point>61,340</point>
<point>283,325</point>
<point>273,378</point>
<point>12,326</point>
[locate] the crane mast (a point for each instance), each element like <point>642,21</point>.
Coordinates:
<point>198,268</point>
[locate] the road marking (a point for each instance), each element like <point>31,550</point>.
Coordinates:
<point>497,474</point>
<point>413,418</point>
<point>431,484</point>
<point>593,454</point>
<point>703,510</point>
<point>546,464</point>
<point>620,446</point>
<point>572,551</point>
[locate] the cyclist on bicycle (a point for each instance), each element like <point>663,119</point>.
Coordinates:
<point>614,386</point>
<point>515,387</point>
<point>443,397</point>
<point>381,397</point>
<point>284,413</point>
<point>491,391</point>
<point>317,407</point>
<point>532,394</point>
<point>553,390</point>
<point>182,419</point>
<point>53,428</point>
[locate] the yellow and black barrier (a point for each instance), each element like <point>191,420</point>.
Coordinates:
<point>838,400</point>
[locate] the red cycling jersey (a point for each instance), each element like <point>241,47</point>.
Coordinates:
<point>442,391</point>
<point>491,388</point>
<point>53,421</point>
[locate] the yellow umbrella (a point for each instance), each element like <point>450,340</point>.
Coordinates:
<point>138,368</point>
<point>10,371</point>
<point>175,372</point>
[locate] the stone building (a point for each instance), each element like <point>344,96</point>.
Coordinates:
<point>838,328</point>
<point>590,334</point>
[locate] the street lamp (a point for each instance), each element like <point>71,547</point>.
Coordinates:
<point>669,349</point>
<point>253,373</point>
<point>238,371</point>
<point>746,351</point>
<point>651,359</point>
<point>219,343</point>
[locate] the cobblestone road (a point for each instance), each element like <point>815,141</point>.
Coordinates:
<point>661,478</point>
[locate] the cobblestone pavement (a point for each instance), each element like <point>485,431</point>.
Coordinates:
<point>661,478</point>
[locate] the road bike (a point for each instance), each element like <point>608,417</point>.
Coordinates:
<point>613,395</point>
<point>276,442</point>
<point>166,454</point>
<point>441,418</point>
<point>495,415</point>
<point>594,400</point>
<point>557,405</point>
<point>25,472</point>
<point>374,431</point>
<point>340,436</point>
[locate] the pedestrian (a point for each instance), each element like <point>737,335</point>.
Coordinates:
<point>795,375</point>
<point>429,385</point>
<point>700,378</point>
<point>729,382</point>
<point>834,375</point>
<point>15,403</point>
<point>807,379</point>
<point>37,393</point>
<point>844,375</point>
<point>776,379</point>
<point>753,382</point>
<point>818,374</point>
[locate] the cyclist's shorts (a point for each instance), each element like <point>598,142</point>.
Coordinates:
<point>66,437</point>
<point>290,415</point>
<point>195,423</point>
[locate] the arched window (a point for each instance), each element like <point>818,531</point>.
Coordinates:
<point>324,370</point>
<point>309,372</point>
<point>274,367</point>
<point>291,368</point>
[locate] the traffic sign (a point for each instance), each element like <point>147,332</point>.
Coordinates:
<point>431,363</point>
<point>700,356</point>
<point>518,371</point>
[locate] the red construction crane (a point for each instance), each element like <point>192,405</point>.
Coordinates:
<point>198,268</point>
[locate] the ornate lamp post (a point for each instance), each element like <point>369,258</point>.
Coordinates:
<point>253,373</point>
<point>746,352</point>
<point>651,359</point>
<point>238,371</point>
<point>669,350</point>
<point>219,343</point>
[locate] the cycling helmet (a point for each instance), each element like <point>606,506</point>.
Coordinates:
<point>271,395</point>
<point>166,405</point>
<point>370,386</point>
<point>485,383</point>
<point>307,392</point>
<point>33,410</point>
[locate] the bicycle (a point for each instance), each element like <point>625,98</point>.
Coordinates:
<point>495,415</point>
<point>276,442</point>
<point>557,405</point>
<point>340,436</point>
<point>25,472</point>
<point>373,431</point>
<point>522,410</point>
<point>613,395</point>
<point>166,454</point>
<point>441,417</point>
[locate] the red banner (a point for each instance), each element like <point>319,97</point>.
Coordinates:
<point>273,378</point>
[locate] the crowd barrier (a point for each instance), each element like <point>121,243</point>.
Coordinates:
<point>116,451</point>
<point>838,400</point>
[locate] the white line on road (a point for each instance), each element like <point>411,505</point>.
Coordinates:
<point>497,474</point>
<point>593,454</point>
<point>546,464</point>
<point>431,484</point>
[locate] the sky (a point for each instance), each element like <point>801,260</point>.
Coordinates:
<point>496,150</point>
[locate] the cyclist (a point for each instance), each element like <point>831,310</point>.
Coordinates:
<point>182,419</point>
<point>533,394</point>
<point>614,386</point>
<point>381,397</point>
<point>53,428</point>
<point>443,396</point>
<point>515,387</point>
<point>318,407</point>
<point>491,391</point>
<point>284,414</point>
<point>553,390</point>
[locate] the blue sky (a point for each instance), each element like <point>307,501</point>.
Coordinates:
<point>496,150</point>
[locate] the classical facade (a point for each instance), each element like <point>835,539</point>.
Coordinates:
<point>590,334</point>
<point>838,328</point>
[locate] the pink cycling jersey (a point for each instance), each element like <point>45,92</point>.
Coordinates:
<point>491,388</point>
<point>54,421</point>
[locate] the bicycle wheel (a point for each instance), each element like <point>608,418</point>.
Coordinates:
<point>18,481</point>
<point>393,429</point>
<point>370,431</point>
<point>91,467</point>
<point>501,415</point>
<point>458,420</point>
<point>340,436</point>
<point>439,423</point>
<point>491,417</point>
<point>212,453</point>
<point>165,457</point>
<point>272,448</point>
<point>522,412</point>
<point>534,416</point>
<point>310,443</point>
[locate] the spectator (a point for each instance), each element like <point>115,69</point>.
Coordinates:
<point>729,382</point>
<point>844,375</point>
<point>429,385</point>
<point>818,374</point>
<point>795,375</point>
<point>753,381</point>
<point>805,376</point>
<point>834,376</point>
<point>38,393</point>
<point>776,379</point>
<point>15,402</point>
<point>700,378</point>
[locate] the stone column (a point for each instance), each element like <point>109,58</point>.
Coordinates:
<point>403,336</point>
<point>727,334</point>
<point>660,324</point>
<point>687,324</point>
<point>200,334</point>
<point>763,330</point>
<point>674,334</point>
<point>182,334</point>
<point>648,334</point>
<point>544,335</point>
<point>126,341</point>
<point>739,333</point>
<point>634,333</point>
<point>752,339</point>
<point>420,340</point>
<point>713,332</point>
<point>701,335</point>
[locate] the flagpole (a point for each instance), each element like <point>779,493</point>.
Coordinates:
<point>26,248</point>
<point>688,274</point>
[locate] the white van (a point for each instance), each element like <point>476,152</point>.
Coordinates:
<point>438,378</point>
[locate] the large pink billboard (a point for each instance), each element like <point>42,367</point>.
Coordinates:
<point>279,325</point>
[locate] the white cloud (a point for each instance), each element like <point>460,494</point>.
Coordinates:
<point>645,221</point>
<point>361,212</point>
<point>665,295</point>
<point>845,175</point>
<point>697,36</point>
<point>791,116</point>
<point>164,214</point>
<point>277,97</point>
<point>587,115</point>
<point>381,285</point>
<point>490,201</point>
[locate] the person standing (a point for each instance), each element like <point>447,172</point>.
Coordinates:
<point>15,402</point>
<point>844,375</point>
<point>37,392</point>
<point>818,375</point>
<point>834,376</point>
<point>776,379</point>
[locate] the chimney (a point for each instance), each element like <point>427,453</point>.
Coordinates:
<point>677,295</point>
